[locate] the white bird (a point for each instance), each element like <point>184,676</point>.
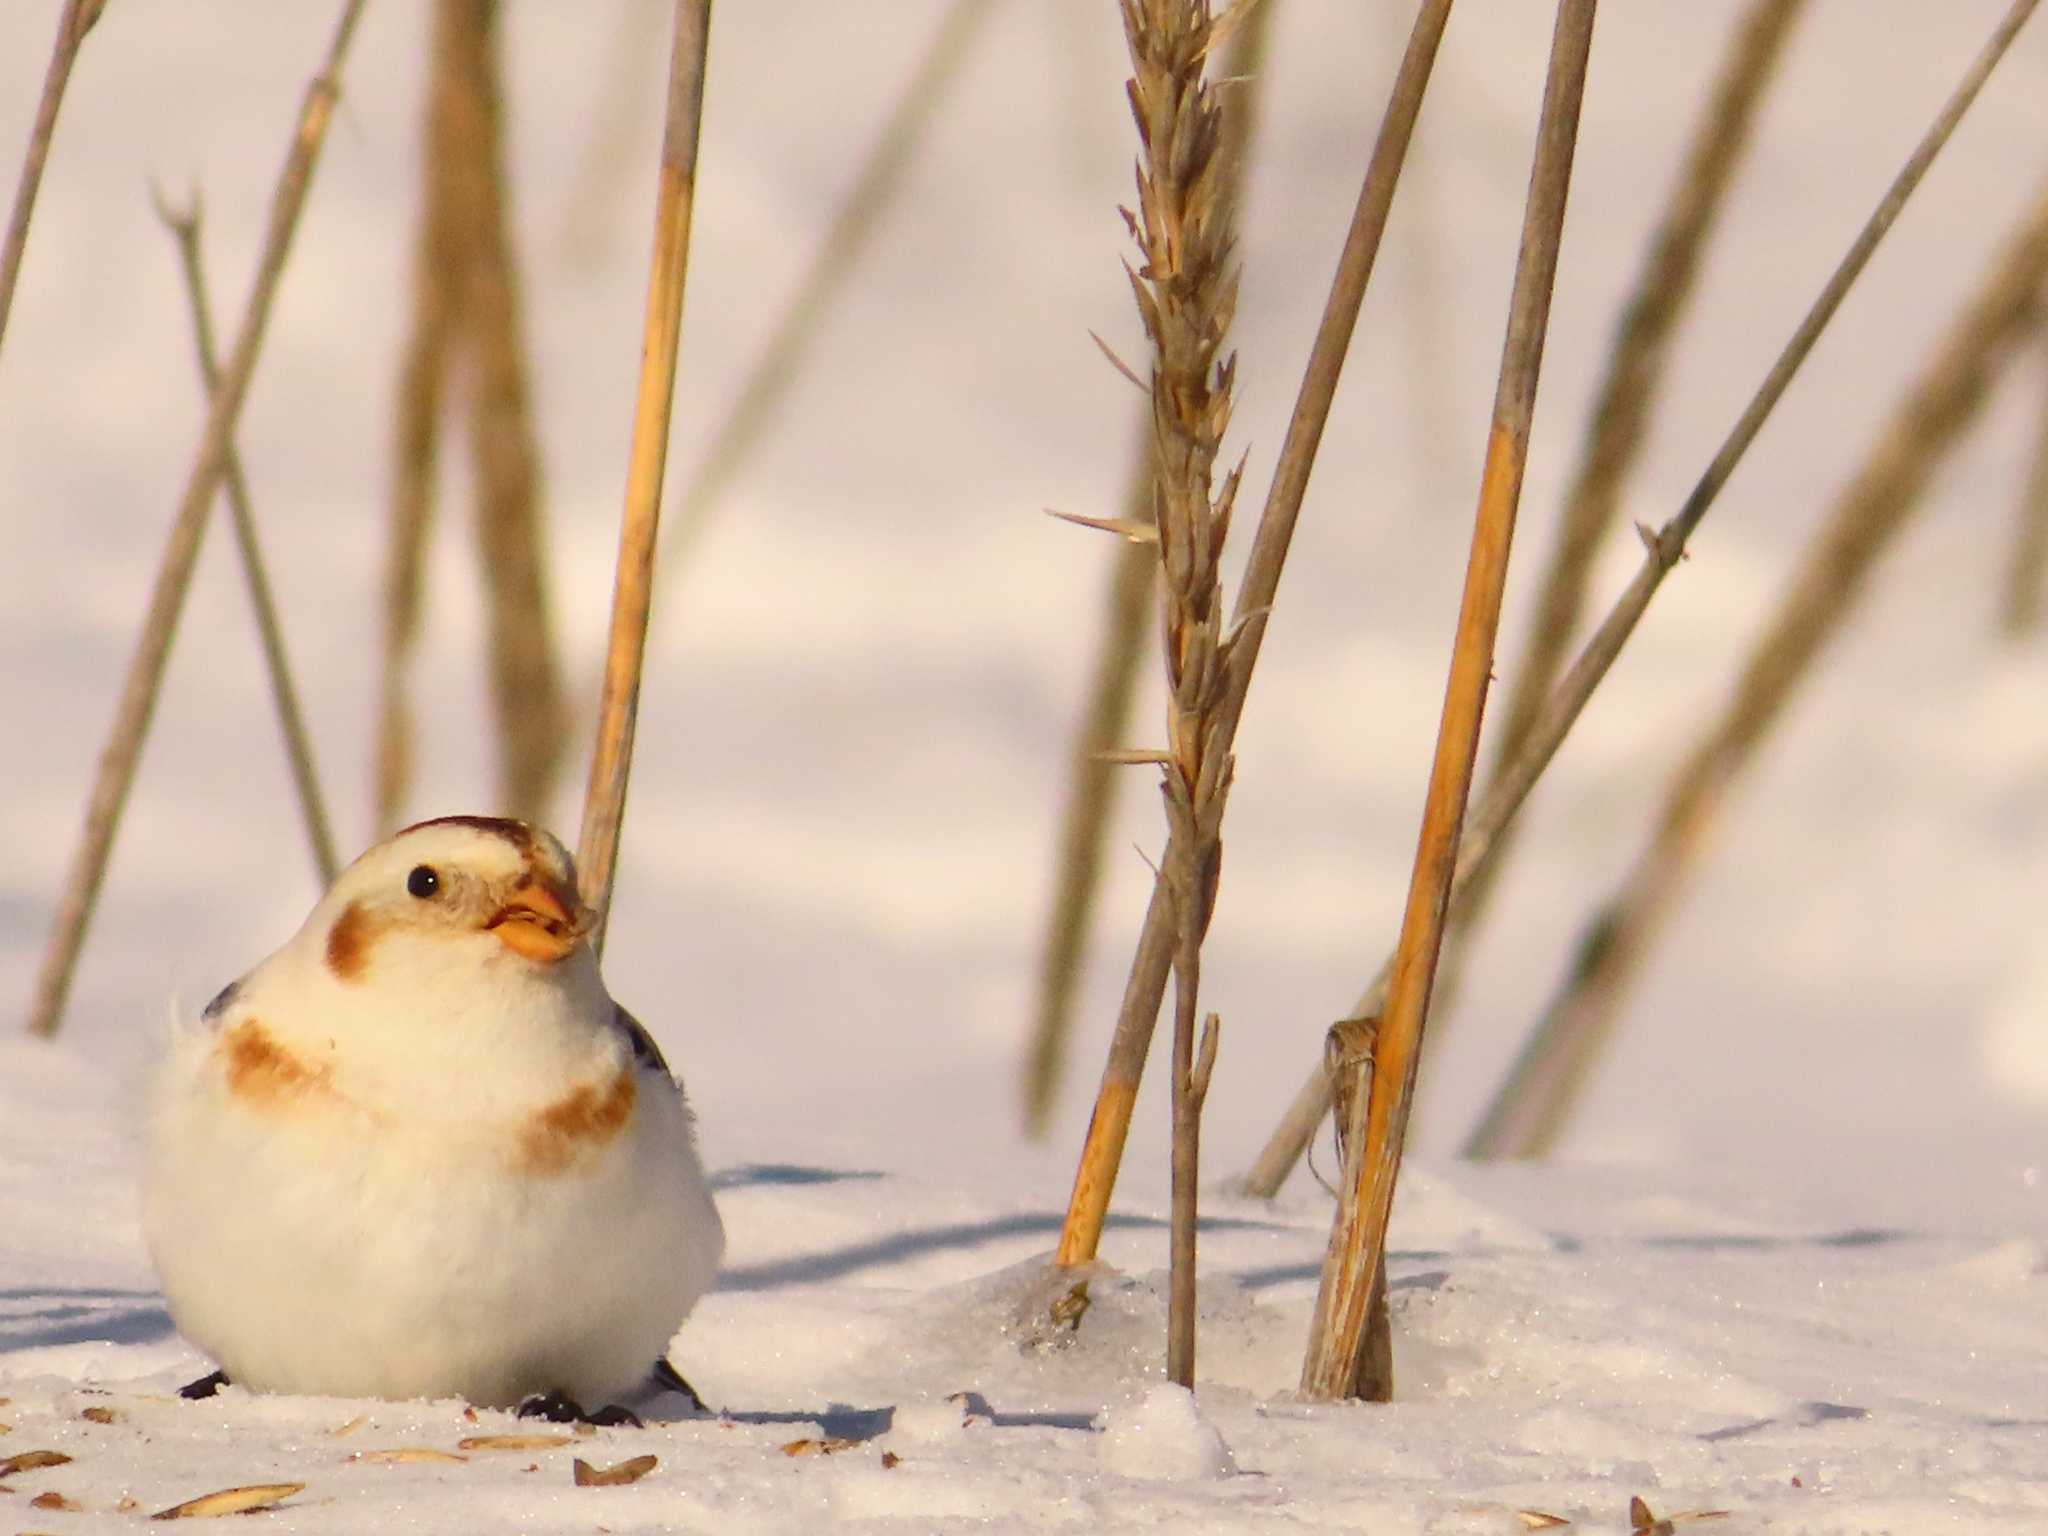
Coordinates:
<point>420,1152</point>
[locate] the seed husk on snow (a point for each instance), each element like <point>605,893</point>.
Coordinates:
<point>30,1461</point>
<point>630,1471</point>
<point>407,1453</point>
<point>230,1501</point>
<point>514,1442</point>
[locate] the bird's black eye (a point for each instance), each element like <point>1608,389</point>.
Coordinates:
<point>424,881</point>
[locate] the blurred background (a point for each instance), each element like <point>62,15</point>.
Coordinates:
<point>865,673</point>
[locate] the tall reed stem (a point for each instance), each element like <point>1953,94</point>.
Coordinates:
<point>1109,1128</point>
<point>2027,575</point>
<point>1356,1258</point>
<point>284,693</point>
<point>761,392</point>
<point>604,804</point>
<point>1510,787</point>
<point>1629,392</point>
<point>77,20</point>
<point>1532,1108</point>
<point>174,573</point>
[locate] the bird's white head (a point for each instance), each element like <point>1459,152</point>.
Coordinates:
<point>485,887</point>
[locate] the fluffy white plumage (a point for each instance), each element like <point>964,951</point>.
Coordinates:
<point>419,1152</point>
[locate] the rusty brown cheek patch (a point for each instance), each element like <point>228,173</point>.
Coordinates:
<point>348,943</point>
<point>263,1073</point>
<point>554,1137</point>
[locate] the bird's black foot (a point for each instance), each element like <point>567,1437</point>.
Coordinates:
<point>667,1378</point>
<point>204,1387</point>
<point>558,1407</point>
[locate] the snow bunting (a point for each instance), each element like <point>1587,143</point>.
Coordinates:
<point>420,1152</point>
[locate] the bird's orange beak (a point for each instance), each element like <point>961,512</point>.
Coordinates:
<point>540,922</point>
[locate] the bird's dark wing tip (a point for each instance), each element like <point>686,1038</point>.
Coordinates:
<point>646,1053</point>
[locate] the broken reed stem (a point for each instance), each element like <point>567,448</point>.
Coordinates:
<point>1629,391</point>
<point>1347,1070</point>
<point>437,325</point>
<point>77,20</point>
<point>525,681</point>
<point>1510,787</point>
<point>1109,1127</point>
<point>116,771</point>
<point>284,693</point>
<point>1092,791</point>
<point>1357,1253</point>
<point>2024,580</point>
<point>604,803</point>
<point>846,238</point>
<point>1532,1109</point>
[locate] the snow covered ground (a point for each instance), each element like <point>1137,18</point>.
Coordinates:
<point>1795,1264</point>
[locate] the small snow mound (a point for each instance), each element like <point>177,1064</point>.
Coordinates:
<point>930,1420</point>
<point>1164,1435</point>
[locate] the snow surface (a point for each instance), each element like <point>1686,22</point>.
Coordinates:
<point>1795,1263</point>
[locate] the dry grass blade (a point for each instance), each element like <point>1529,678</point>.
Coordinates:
<point>629,1471</point>
<point>525,682</point>
<point>284,693</point>
<point>1510,787</point>
<point>1355,1262</point>
<point>1531,1109</point>
<point>1092,790</point>
<point>77,20</point>
<point>1095,1179</point>
<point>1629,390</point>
<point>231,1501</point>
<point>2027,575</point>
<point>604,803</point>
<point>853,225</point>
<point>407,1455</point>
<point>167,597</point>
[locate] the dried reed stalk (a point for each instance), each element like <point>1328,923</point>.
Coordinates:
<point>2026,576</point>
<point>284,693</point>
<point>466,314</point>
<point>429,356</point>
<point>77,20</point>
<point>1092,791</point>
<point>1091,807</point>
<point>1186,292</point>
<point>1356,1260</point>
<point>846,238</point>
<point>525,682</point>
<point>1532,1108</point>
<point>1629,391</point>
<point>167,597</point>
<point>1508,789</point>
<point>604,803</point>
<point>1109,1127</point>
